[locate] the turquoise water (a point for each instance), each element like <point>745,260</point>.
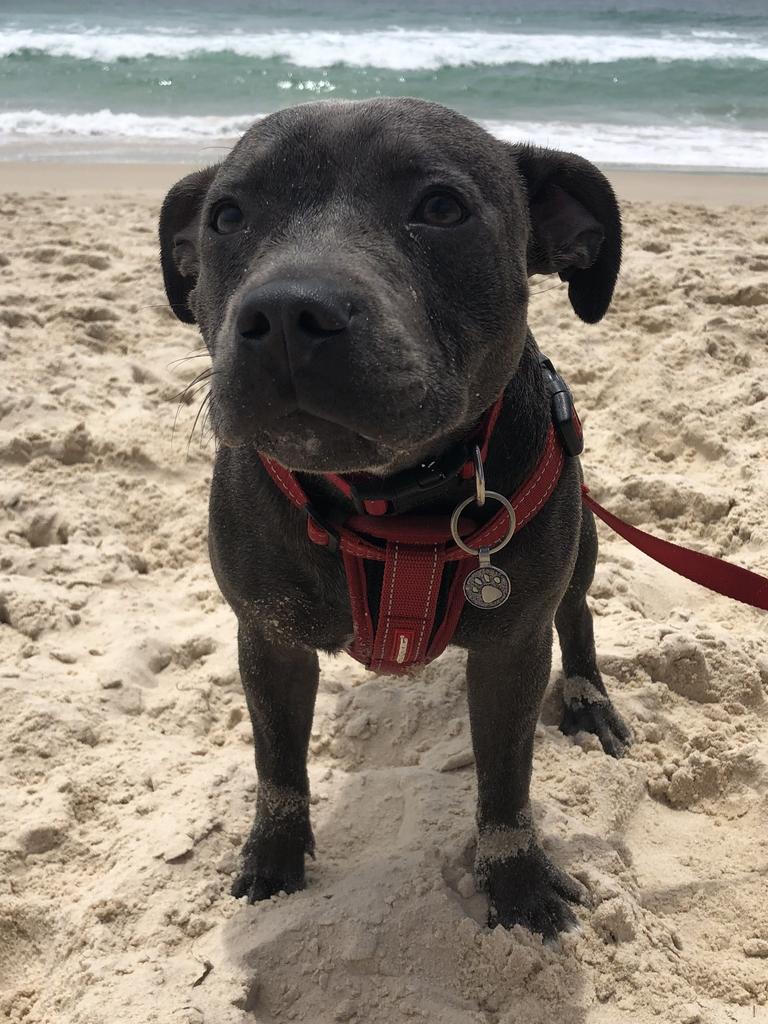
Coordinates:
<point>628,83</point>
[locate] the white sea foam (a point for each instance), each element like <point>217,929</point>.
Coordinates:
<point>661,145</point>
<point>106,124</point>
<point>394,49</point>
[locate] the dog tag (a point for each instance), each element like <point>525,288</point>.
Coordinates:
<point>487,586</point>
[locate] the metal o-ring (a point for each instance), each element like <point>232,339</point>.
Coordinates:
<point>480,491</point>
<point>502,543</point>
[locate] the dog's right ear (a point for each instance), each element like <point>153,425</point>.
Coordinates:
<point>179,230</point>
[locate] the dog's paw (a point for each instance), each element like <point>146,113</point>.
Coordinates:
<point>528,889</point>
<point>273,862</point>
<point>586,709</point>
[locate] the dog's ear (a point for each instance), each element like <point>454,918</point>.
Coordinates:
<point>179,229</point>
<point>575,226</point>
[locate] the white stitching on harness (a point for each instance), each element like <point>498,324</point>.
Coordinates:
<point>532,511</point>
<point>427,603</point>
<point>384,639</point>
<point>553,450</point>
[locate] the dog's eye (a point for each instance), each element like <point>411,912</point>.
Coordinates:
<point>227,218</point>
<point>440,210</point>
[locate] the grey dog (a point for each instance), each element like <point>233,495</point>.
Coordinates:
<point>359,272</point>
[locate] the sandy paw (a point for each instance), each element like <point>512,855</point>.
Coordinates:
<point>273,862</point>
<point>586,709</point>
<point>529,890</point>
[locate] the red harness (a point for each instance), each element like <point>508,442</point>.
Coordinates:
<point>417,549</point>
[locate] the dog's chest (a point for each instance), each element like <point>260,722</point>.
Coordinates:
<point>311,617</point>
<point>316,613</point>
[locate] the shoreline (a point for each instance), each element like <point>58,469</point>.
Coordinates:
<point>708,188</point>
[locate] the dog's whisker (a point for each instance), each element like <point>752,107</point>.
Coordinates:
<point>190,396</point>
<point>175,421</point>
<point>202,377</point>
<point>179,405</point>
<point>203,405</point>
<point>211,413</point>
<point>550,288</point>
<point>162,305</point>
<point>198,354</point>
<point>206,422</point>
<point>177,414</point>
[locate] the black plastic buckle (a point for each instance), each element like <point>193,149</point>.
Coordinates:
<point>410,483</point>
<point>564,415</point>
<point>333,535</point>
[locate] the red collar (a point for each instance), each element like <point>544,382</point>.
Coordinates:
<point>422,563</point>
<point>370,496</point>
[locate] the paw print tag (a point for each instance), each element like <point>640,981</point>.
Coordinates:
<point>487,586</point>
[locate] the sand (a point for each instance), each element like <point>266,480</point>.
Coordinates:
<point>711,189</point>
<point>126,775</point>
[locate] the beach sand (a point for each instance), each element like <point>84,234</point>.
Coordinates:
<point>127,780</point>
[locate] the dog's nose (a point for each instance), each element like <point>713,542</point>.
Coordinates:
<point>298,312</point>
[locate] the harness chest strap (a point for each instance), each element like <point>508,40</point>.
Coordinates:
<point>415,552</point>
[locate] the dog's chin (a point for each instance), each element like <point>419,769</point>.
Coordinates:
<point>308,443</point>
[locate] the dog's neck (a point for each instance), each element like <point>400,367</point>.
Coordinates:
<point>521,431</point>
<point>514,447</point>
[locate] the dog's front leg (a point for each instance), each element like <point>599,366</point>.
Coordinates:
<point>280,685</point>
<point>505,686</point>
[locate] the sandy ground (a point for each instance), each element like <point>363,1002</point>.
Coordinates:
<point>126,777</point>
<point>718,189</point>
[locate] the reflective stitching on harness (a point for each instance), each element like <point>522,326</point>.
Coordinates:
<point>532,512</point>
<point>535,481</point>
<point>388,626</point>
<point>428,603</point>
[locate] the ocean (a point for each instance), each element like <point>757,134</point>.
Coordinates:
<point>624,83</point>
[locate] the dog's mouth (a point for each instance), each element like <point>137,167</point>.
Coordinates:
<point>315,443</point>
<point>310,430</point>
<point>311,442</point>
<point>315,429</point>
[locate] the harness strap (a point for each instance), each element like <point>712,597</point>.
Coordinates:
<point>352,534</point>
<point>409,591</point>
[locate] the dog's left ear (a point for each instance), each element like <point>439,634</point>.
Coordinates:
<point>575,226</point>
<point>179,230</point>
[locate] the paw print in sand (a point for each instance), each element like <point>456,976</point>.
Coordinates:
<point>487,587</point>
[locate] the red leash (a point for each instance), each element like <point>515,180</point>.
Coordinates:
<point>714,573</point>
<point>398,631</point>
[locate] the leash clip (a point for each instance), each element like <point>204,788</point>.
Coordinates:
<point>564,415</point>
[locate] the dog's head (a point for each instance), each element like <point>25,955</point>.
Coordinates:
<point>359,274</point>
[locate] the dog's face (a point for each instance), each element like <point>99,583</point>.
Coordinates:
<point>359,274</point>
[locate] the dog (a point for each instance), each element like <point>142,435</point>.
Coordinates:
<point>359,273</point>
